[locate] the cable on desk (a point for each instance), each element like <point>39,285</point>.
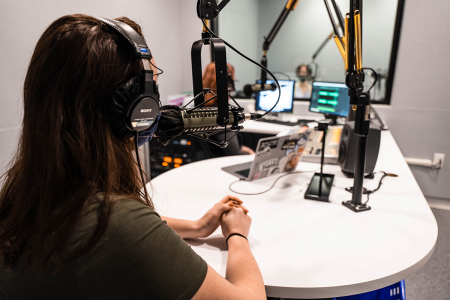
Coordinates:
<point>253,194</point>
<point>368,192</point>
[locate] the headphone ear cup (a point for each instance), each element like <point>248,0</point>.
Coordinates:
<point>156,93</point>
<point>121,98</point>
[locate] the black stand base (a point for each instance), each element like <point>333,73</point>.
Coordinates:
<point>354,207</point>
<point>320,186</point>
<point>333,119</point>
<point>320,191</point>
<point>352,175</point>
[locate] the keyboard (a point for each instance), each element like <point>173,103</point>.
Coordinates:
<point>275,121</point>
<point>376,121</point>
<point>244,172</point>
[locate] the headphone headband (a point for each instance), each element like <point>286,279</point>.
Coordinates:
<point>141,50</point>
<point>135,104</point>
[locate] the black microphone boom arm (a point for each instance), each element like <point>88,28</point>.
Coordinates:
<point>221,76</point>
<point>210,9</point>
<point>225,116</point>
<point>329,37</point>
<point>290,6</point>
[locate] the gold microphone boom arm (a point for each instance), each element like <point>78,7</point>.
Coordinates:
<point>350,47</point>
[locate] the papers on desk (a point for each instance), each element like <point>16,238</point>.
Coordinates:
<point>298,129</point>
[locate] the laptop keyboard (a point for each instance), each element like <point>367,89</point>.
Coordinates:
<point>274,121</point>
<point>243,172</point>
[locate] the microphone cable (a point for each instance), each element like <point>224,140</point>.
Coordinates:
<point>144,186</point>
<point>253,194</point>
<point>375,80</point>
<point>368,192</point>
<point>249,59</point>
<point>160,71</point>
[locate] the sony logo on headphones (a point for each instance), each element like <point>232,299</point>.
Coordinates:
<point>146,110</point>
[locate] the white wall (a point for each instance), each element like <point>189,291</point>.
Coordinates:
<point>24,21</point>
<point>238,23</point>
<point>419,112</point>
<point>191,30</point>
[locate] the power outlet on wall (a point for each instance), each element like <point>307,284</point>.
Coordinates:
<point>438,160</point>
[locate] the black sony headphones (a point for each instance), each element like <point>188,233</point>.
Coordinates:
<point>135,104</point>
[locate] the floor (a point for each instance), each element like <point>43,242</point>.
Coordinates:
<point>432,282</point>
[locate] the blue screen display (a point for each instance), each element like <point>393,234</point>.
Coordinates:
<point>330,98</point>
<point>266,100</point>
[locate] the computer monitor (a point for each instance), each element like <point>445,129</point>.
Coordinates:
<point>266,100</point>
<point>330,98</point>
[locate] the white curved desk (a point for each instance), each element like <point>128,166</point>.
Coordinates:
<point>269,128</point>
<point>309,249</point>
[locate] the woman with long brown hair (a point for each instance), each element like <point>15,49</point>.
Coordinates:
<point>74,222</point>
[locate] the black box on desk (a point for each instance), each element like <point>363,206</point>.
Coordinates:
<point>349,144</point>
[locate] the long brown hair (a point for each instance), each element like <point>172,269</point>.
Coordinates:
<point>67,152</point>
<point>209,80</point>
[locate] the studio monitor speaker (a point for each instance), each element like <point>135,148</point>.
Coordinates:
<point>349,144</point>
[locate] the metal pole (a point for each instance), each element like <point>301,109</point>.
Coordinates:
<point>351,43</point>
<point>333,23</point>
<point>322,45</point>
<point>322,160</point>
<point>360,166</point>
<point>338,14</point>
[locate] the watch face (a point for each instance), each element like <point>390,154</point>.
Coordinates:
<point>144,113</point>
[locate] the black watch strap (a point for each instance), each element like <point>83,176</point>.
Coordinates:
<point>235,234</point>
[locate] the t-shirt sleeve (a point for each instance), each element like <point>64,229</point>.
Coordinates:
<point>140,257</point>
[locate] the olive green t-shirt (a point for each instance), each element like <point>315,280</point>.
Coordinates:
<point>138,257</point>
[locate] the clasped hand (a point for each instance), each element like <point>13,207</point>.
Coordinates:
<point>217,215</point>
<point>207,224</point>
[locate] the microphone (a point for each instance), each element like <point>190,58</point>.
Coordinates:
<point>201,122</point>
<point>205,119</point>
<point>256,88</point>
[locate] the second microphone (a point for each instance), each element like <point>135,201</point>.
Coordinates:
<point>250,89</point>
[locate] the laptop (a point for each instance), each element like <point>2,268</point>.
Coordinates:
<point>273,155</point>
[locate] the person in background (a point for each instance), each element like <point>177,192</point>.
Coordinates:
<point>209,81</point>
<point>303,87</point>
<point>74,220</point>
